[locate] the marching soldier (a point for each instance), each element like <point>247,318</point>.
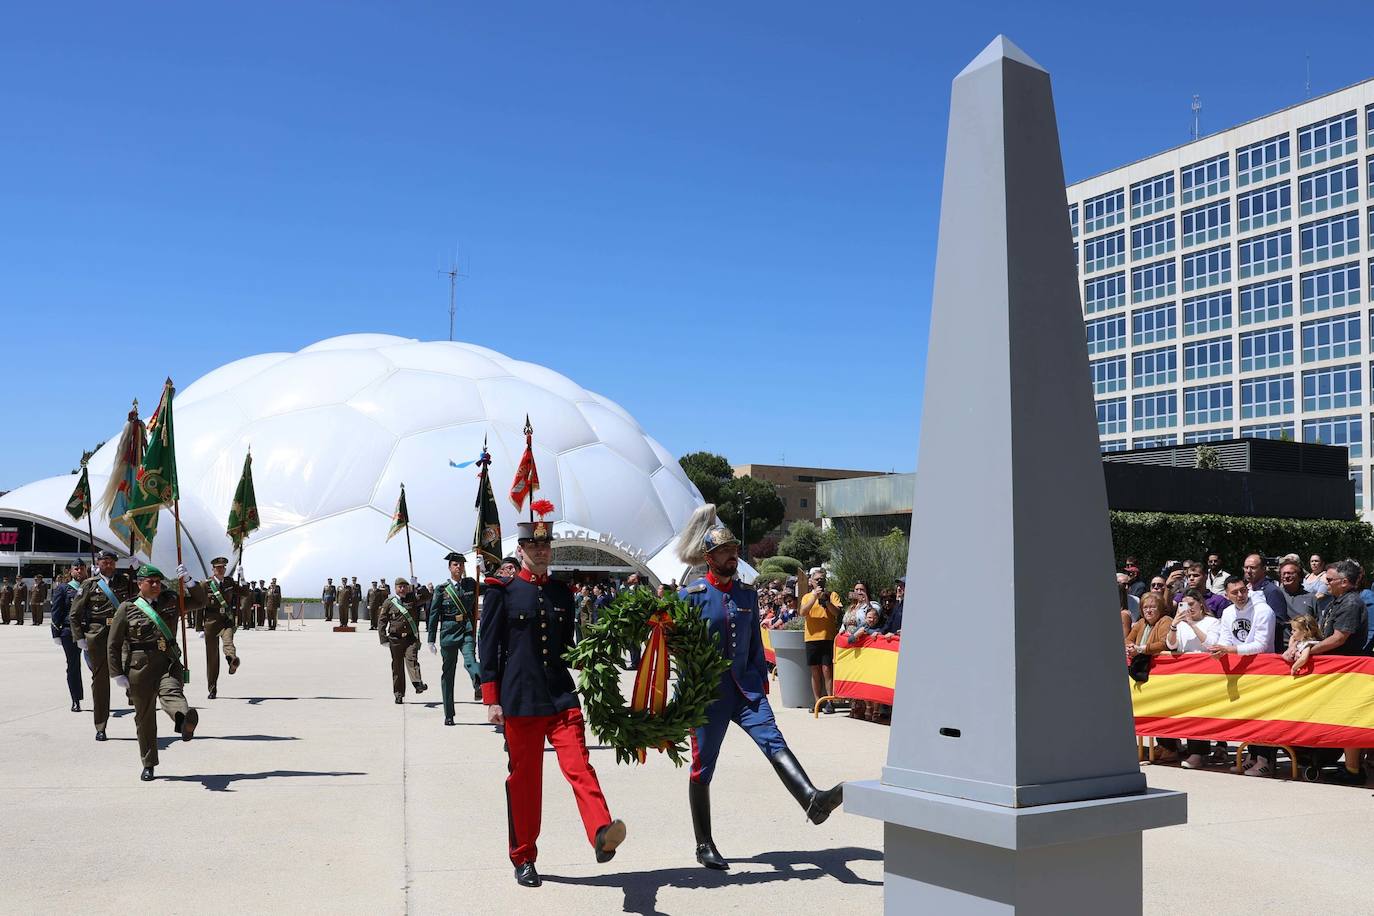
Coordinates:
<point>92,610</point>
<point>374,602</point>
<point>454,626</point>
<point>219,617</point>
<point>526,629</point>
<point>731,611</point>
<point>21,600</point>
<point>399,630</point>
<point>60,615</point>
<point>146,661</point>
<point>38,599</point>
<point>6,600</point>
<point>328,597</point>
<point>273,603</point>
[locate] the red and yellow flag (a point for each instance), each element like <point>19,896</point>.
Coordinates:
<point>651,682</point>
<point>866,669</point>
<point>526,475</point>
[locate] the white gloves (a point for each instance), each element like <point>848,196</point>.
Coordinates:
<point>81,644</point>
<point>184,574</point>
<point>122,681</point>
<point>200,634</point>
<point>433,648</point>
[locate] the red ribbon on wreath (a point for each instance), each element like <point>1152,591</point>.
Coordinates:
<point>651,681</point>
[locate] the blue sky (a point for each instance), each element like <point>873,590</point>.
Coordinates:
<point>721,215</point>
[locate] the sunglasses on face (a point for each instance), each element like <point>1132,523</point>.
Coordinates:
<point>1156,585</point>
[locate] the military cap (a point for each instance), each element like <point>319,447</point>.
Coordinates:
<point>220,561</point>
<point>719,536</point>
<point>534,531</point>
<point>401,580</point>
<point>456,557</point>
<point>107,555</point>
<point>149,571</point>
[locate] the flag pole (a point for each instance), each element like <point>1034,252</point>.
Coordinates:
<point>181,590</point>
<point>90,510</point>
<point>409,555</point>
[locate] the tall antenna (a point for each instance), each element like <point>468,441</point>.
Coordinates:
<point>1309,76</point>
<point>453,275</point>
<point>1197,116</point>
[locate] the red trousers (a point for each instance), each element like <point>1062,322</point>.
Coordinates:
<point>525,736</point>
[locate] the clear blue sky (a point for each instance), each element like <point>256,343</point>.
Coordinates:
<point>721,215</point>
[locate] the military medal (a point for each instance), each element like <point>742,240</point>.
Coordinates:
<point>161,644</point>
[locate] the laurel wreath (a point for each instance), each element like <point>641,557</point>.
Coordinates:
<point>694,655</point>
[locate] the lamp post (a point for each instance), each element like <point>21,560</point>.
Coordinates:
<point>744,530</point>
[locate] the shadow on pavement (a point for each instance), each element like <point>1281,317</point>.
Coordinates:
<point>166,741</point>
<point>220,782</point>
<point>641,888</point>
<point>256,701</point>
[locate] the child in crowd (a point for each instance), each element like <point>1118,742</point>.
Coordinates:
<point>1306,634</point>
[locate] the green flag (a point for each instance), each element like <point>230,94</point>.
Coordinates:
<point>487,538</point>
<point>79,506</point>
<point>243,514</point>
<point>155,485</point>
<point>401,517</point>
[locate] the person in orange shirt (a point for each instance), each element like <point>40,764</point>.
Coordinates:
<point>820,622</point>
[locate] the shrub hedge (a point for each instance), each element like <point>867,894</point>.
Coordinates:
<point>1154,538</point>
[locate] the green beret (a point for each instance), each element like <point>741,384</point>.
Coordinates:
<point>149,571</point>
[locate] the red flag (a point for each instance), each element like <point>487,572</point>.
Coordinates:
<point>527,475</point>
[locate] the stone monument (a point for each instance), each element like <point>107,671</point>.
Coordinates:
<point>1012,782</point>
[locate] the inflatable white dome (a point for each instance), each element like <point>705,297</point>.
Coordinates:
<point>336,428</point>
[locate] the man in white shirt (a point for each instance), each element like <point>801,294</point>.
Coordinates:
<point>1247,628</point>
<point>1216,576</point>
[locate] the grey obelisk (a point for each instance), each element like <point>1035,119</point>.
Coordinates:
<point>1012,782</point>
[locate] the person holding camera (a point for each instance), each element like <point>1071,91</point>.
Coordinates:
<point>820,612</point>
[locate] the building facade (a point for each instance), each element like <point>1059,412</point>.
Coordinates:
<point>1228,284</point>
<point>796,487</point>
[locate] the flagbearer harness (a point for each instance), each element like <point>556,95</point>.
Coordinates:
<point>223,604</point>
<point>168,642</point>
<point>396,602</point>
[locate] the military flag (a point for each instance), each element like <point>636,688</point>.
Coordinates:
<point>79,505</point>
<point>401,517</point>
<point>526,475</point>
<point>243,514</point>
<point>487,538</point>
<point>155,484</point>
<point>119,490</point>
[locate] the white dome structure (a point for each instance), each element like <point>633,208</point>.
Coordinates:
<point>336,428</point>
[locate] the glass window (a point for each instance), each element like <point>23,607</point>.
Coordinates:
<point>1111,417</point>
<point>1331,338</point>
<point>1207,359</point>
<point>1357,475</point>
<point>1103,293</point>
<point>1153,195</point>
<point>1369,127</point>
<point>1347,431</point>
<point>1104,210</point>
<point>1207,435</point>
<point>1154,325</point>
<point>1154,411</point>
<point>1153,281</point>
<point>1325,140</point>
<point>1336,387</point>
<point>1329,189</point>
<point>1104,251</point>
<point>1205,178</point>
<point>1268,301</point>
<point>1113,445</point>
<point>1263,160</point>
<point>1262,207</point>
<point>1331,288</point>
<point>1204,314</point>
<point>1109,374</point>
<point>1333,237</point>
<point>1270,396</point>
<point>1151,239</point>
<point>1267,349</point>
<point>1207,268</point>
<point>1154,441</point>
<point>1073,219</point>
<point>1154,367</point>
<point>1207,223</point>
<point>1369,166</point>
<point>1268,431</point>
<point>1207,404</point>
<point>1265,254</point>
<point>1106,333</point>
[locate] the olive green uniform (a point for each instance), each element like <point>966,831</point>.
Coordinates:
<point>139,651</point>
<point>90,618</point>
<point>21,601</point>
<point>453,624</point>
<point>394,631</point>
<point>273,605</point>
<point>218,618</point>
<point>374,604</point>
<point>6,601</point>
<point>38,600</point>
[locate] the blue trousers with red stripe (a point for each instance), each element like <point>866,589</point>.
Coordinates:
<point>756,718</point>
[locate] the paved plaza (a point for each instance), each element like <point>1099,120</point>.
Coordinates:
<point>307,790</point>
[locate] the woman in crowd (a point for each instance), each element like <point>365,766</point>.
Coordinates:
<point>1193,630</point>
<point>1148,634</point>
<point>1159,586</point>
<point>853,621</point>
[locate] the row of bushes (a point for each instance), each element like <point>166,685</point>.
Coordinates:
<point>1154,538</point>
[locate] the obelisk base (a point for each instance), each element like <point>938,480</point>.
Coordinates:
<point>952,856</point>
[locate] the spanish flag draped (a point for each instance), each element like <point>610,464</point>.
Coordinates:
<point>866,669</point>
<point>1257,699</point>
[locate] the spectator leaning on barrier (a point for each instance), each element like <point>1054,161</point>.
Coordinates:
<point>1342,625</point>
<point>1216,576</point>
<point>1148,634</point>
<point>1193,630</point>
<point>1247,624</point>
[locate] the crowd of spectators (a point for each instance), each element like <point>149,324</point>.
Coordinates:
<point>1279,606</point>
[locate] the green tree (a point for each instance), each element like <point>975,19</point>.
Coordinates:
<point>876,562</point>
<point>710,472</point>
<point>805,542</point>
<point>765,506</point>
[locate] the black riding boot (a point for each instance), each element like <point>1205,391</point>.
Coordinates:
<point>816,802</point>
<point>699,798</point>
